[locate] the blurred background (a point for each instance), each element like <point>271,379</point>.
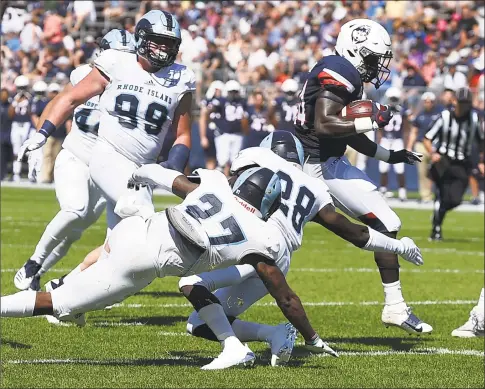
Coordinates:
<point>438,46</point>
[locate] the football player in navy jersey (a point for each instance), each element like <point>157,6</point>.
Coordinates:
<point>285,107</point>
<point>233,125</point>
<point>363,54</point>
<point>210,121</point>
<point>259,126</point>
<point>392,137</point>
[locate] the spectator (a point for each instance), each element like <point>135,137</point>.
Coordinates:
<point>6,154</point>
<point>53,32</point>
<point>85,51</point>
<point>429,67</point>
<point>129,24</point>
<point>84,12</point>
<point>113,9</point>
<point>413,78</point>
<point>31,35</point>
<point>213,59</point>
<point>54,143</point>
<point>422,123</point>
<point>453,79</point>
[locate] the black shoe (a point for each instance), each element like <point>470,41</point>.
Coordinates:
<point>35,284</point>
<point>436,234</point>
<point>476,201</point>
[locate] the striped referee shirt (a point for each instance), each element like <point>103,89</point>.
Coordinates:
<point>455,138</point>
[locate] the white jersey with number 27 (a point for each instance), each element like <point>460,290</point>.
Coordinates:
<point>302,196</point>
<point>85,122</point>
<point>137,106</point>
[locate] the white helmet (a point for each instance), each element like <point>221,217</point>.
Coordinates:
<point>39,87</point>
<point>233,86</point>
<point>53,87</point>
<point>21,82</point>
<point>289,86</point>
<point>393,95</point>
<point>215,85</point>
<point>367,45</point>
<point>157,28</point>
<point>119,40</point>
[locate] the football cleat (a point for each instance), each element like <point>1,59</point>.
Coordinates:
<point>436,235</point>
<point>400,315</point>
<point>320,347</point>
<point>232,356</point>
<point>474,327</point>
<point>26,274</point>
<point>282,342</point>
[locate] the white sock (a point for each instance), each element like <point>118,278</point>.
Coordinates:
<point>16,167</point>
<point>55,232</point>
<point>250,332</point>
<point>20,304</point>
<point>402,192</point>
<point>76,270</point>
<point>481,301</point>
<point>215,318</point>
<point>392,293</point>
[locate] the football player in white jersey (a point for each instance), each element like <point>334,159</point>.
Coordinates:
<point>303,199</point>
<point>215,226</point>
<point>79,198</point>
<point>141,96</point>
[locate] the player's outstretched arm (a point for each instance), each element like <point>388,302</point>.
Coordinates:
<point>287,300</point>
<point>365,237</point>
<point>364,145</point>
<point>168,179</point>
<point>62,107</point>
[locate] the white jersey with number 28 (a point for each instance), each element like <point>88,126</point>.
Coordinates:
<point>137,106</point>
<point>302,196</point>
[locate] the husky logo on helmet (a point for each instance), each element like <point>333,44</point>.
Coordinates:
<point>360,34</point>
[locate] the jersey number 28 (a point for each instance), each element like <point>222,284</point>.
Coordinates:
<point>304,202</point>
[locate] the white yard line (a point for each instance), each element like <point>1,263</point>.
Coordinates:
<point>428,351</point>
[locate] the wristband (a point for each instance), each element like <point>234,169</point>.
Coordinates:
<point>363,125</point>
<point>47,128</point>
<point>382,154</point>
<point>177,158</point>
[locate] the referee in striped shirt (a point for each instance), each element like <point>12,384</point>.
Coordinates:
<point>450,142</point>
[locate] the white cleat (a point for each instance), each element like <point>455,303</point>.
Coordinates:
<point>473,328</point>
<point>282,342</point>
<point>25,277</point>
<point>400,315</point>
<point>232,356</point>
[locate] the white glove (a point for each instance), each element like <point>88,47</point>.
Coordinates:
<point>411,252</point>
<point>137,201</point>
<point>33,143</point>
<point>155,175</point>
<point>320,347</point>
<point>34,161</point>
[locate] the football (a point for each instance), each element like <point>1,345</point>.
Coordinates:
<point>358,109</point>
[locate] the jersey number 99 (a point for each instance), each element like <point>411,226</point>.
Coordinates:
<point>126,107</point>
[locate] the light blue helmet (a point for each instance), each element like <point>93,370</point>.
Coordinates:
<point>119,40</point>
<point>286,145</point>
<point>158,28</point>
<point>258,189</point>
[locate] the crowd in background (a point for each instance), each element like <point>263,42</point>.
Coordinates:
<point>438,46</point>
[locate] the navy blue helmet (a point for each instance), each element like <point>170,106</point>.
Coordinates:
<point>286,145</point>
<point>260,188</point>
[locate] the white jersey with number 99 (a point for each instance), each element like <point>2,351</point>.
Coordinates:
<point>137,106</point>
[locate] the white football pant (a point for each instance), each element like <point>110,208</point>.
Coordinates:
<point>81,205</point>
<point>355,194</point>
<point>227,148</point>
<point>110,171</point>
<point>391,144</point>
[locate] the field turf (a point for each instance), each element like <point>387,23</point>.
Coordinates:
<point>142,343</point>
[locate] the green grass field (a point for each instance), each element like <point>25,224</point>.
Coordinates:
<point>142,343</point>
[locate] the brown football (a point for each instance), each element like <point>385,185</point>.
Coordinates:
<point>357,109</point>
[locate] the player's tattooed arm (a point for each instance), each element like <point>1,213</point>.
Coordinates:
<point>287,300</point>
<point>327,122</point>
<point>329,218</point>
